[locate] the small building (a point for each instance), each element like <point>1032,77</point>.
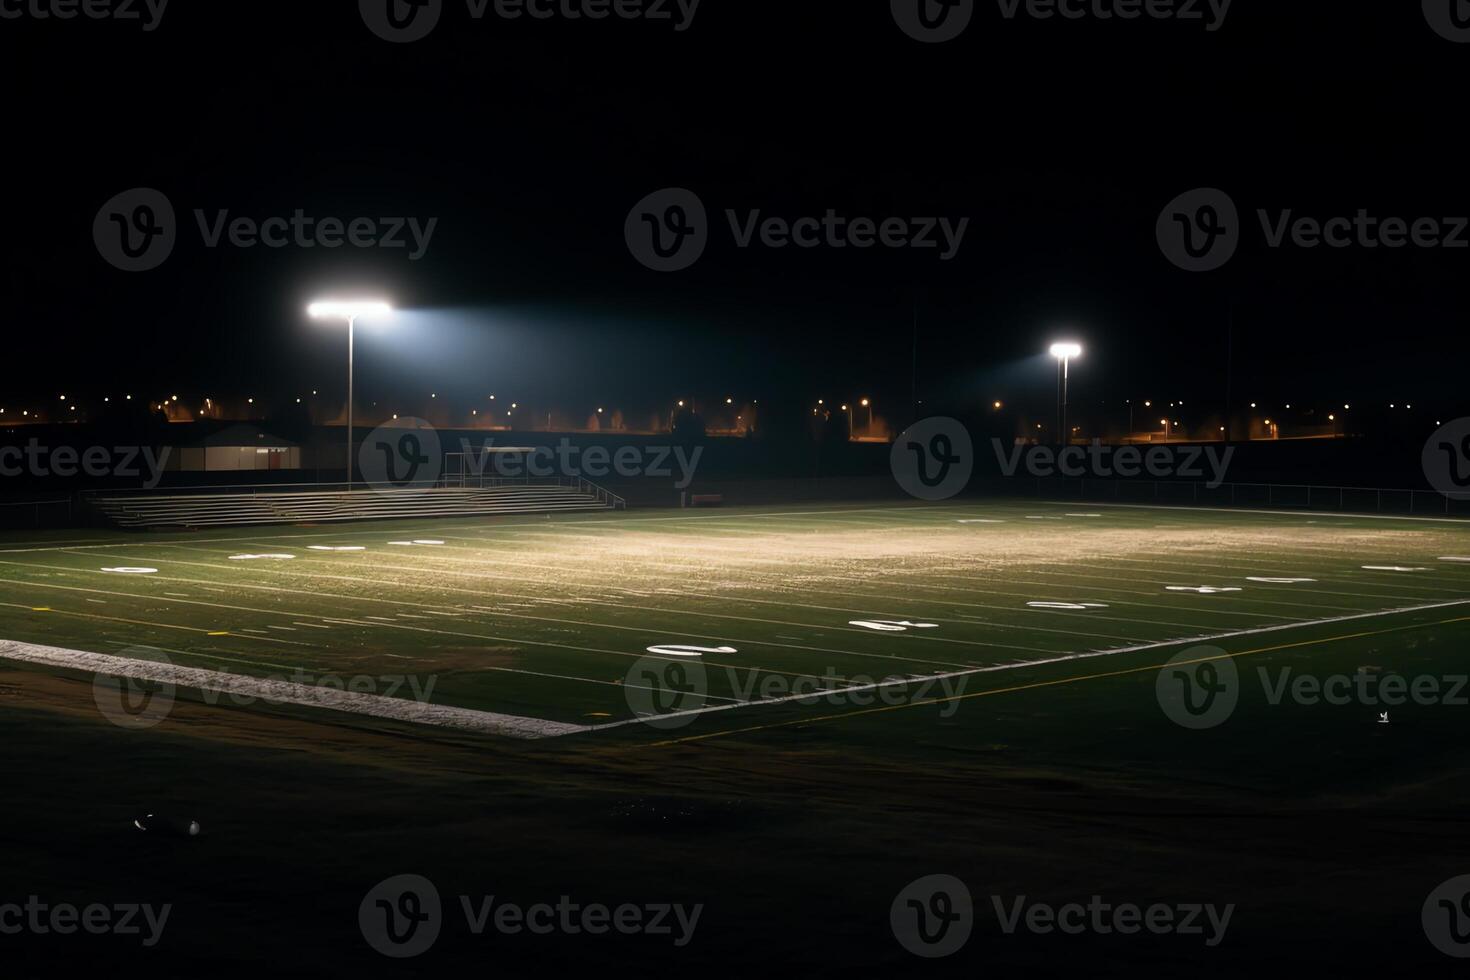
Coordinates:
<point>234,449</point>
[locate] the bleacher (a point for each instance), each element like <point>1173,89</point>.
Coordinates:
<point>284,506</point>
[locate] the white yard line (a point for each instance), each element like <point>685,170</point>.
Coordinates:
<point>286,692</point>
<point>933,678</point>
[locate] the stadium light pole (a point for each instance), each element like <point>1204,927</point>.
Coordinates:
<point>1064,352</point>
<point>348,310</point>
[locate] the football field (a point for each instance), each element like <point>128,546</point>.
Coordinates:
<point>694,624</point>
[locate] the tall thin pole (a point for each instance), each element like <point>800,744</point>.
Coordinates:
<point>351,324</point>
<point>1066,371</point>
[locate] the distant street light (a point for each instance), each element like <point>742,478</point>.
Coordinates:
<point>348,310</point>
<point>1064,352</point>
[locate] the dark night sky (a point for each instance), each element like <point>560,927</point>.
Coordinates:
<point>530,142</point>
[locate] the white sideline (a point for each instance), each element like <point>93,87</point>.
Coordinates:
<point>514,726</point>
<point>1065,658</point>
<point>287,692</point>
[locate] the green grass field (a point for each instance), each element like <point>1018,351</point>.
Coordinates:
<point>545,618</point>
<point>1046,767</point>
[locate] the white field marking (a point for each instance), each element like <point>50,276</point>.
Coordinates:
<point>889,626</point>
<point>855,595</point>
<point>1393,568</point>
<point>1043,518</point>
<point>1454,558</point>
<point>612,523</point>
<point>315,626</point>
<point>1067,658</point>
<point>270,557</point>
<point>1203,589</point>
<point>342,547</point>
<point>1166,576</point>
<point>393,624</point>
<point>1084,515</point>
<point>1278,581</point>
<point>863,581</point>
<point>1221,565</point>
<point>131,570</point>
<point>402,544</point>
<point>612,626</point>
<point>806,588</point>
<point>428,541</point>
<point>177,595</point>
<point>1112,575</point>
<point>1068,605</point>
<point>1285,513</point>
<point>285,692</point>
<point>678,650</point>
<point>129,622</point>
<point>860,595</point>
<point>229,660</point>
<point>979,520</point>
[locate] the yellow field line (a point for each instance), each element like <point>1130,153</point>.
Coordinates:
<point>1041,684</point>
